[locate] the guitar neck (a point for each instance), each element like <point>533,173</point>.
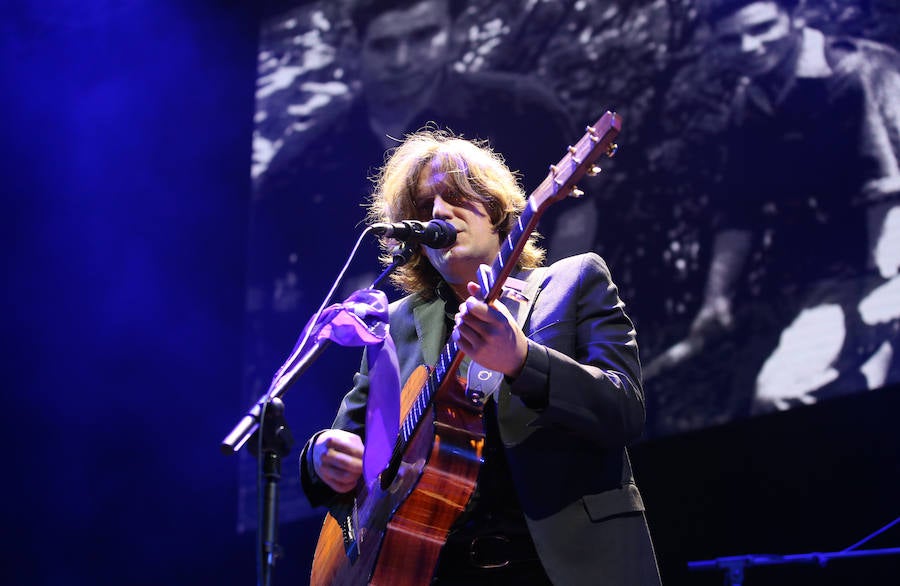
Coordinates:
<point>446,365</point>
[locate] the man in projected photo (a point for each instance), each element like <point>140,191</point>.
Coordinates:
<point>792,256</point>
<point>406,49</point>
<point>406,53</point>
<point>555,501</point>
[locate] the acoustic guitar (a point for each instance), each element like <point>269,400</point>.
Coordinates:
<point>390,531</point>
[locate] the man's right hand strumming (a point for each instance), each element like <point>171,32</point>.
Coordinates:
<point>337,458</point>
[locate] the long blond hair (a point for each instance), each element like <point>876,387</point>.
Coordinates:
<point>470,170</point>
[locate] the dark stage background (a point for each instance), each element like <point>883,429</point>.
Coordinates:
<point>126,159</point>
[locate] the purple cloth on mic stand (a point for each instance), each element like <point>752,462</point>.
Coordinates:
<point>362,320</point>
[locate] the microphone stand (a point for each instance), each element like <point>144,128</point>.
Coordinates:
<point>270,439</point>
<point>238,436</point>
<point>402,254</point>
<point>271,442</point>
<point>734,565</point>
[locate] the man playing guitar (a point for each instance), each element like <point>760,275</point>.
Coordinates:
<point>555,500</point>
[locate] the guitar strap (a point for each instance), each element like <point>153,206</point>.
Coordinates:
<point>519,299</point>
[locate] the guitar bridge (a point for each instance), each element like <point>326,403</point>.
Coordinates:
<point>352,539</point>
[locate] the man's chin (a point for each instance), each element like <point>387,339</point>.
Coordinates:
<point>399,93</point>
<point>443,256</point>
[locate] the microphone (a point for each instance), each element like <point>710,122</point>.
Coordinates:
<point>433,234</point>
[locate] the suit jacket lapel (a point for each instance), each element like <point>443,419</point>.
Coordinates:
<point>512,416</point>
<point>431,329</point>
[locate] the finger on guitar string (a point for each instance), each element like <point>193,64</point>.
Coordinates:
<point>489,334</point>
<point>340,461</point>
<point>338,476</point>
<point>497,343</point>
<point>340,479</point>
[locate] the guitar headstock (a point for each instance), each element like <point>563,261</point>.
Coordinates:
<point>578,161</point>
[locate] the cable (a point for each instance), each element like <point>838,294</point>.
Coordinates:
<point>872,535</point>
<point>301,344</point>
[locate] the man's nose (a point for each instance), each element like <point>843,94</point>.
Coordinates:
<point>441,208</point>
<point>401,55</point>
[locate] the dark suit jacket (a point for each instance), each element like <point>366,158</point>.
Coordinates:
<point>564,421</point>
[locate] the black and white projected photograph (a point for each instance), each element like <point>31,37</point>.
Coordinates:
<point>750,217</point>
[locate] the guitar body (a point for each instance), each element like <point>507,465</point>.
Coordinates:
<point>393,536</point>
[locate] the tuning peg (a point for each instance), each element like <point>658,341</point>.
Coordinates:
<point>553,170</point>
<point>594,171</point>
<point>573,151</point>
<point>612,150</point>
<point>576,193</point>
